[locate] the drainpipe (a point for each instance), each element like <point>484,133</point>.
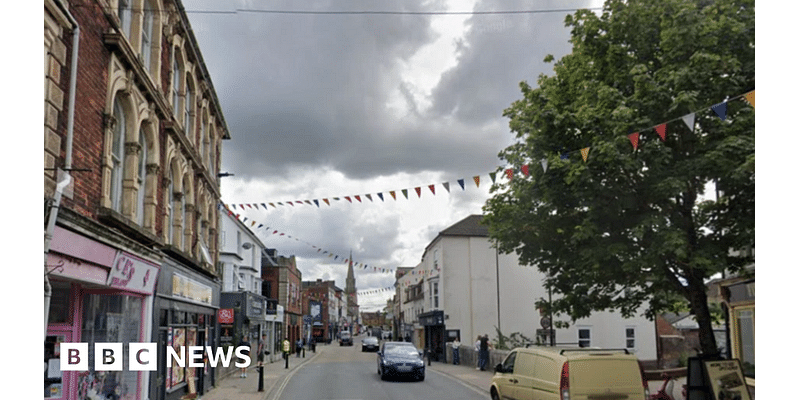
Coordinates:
<point>66,179</point>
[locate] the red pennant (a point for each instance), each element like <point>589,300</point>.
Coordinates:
<point>634,137</point>
<point>358,198</point>
<point>419,191</point>
<point>510,173</point>
<point>348,198</point>
<point>432,188</point>
<point>525,170</point>
<point>662,131</point>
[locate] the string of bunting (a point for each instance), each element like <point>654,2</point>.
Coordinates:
<point>720,109</point>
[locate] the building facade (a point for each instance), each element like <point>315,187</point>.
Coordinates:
<point>132,145</point>
<point>469,289</point>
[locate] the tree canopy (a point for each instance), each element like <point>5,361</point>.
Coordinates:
<point>616,216</point>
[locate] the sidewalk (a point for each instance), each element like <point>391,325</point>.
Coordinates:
<point>233,387</point>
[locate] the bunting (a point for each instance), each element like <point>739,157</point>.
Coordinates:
<point>634,137</point>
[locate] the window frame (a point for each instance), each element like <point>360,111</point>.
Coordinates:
<point>118,155</point>
<point>580,340</point>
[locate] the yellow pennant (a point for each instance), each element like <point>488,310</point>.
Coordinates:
<point>477,180</point>
<point>585,153</point>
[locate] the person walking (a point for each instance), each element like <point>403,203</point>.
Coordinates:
<point>246,351</point>
<point>478,352</point>
<point>483,354</point>
<point>456,345</point>
<point>299,346</point>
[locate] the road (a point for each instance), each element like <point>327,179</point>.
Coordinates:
<point>339,373</point>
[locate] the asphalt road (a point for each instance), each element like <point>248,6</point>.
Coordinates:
<point>346,373</point>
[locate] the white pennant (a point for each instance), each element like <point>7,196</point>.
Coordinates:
<point>688,119</point>
<point>544,164</point>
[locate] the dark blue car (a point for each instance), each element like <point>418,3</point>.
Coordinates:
<point>400,359</point>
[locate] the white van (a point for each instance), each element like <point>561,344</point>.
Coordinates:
<point>560,373</point>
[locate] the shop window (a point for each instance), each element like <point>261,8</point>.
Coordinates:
<point>53,384</point>
<point>746,340</point>
<point>115,319</point>
<point>59,304</point>
<point>178,317</point>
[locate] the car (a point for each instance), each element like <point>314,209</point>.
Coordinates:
<point>552,373</point>
<point>400,359</point>
<point>369,343</point>
<point>345,339</point>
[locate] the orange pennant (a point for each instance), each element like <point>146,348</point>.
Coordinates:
<point>585,153</point>
<point>477,180</point>
<point>393,195</point>
<point>326,201</point>
<point>751,98</point>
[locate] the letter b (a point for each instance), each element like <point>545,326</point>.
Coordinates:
<point>74,356</point>
<point>108,356</point>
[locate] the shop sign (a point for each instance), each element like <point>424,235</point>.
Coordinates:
<point>225,316</point>
<point>190,289</point>
<point>132,273</point>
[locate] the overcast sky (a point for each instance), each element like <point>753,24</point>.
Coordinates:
<point>331,105</point>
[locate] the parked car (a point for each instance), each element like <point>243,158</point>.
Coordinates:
<point>553,373</point>
<point>400,359</point>
<point>345,339</point>
<point>369,343</point>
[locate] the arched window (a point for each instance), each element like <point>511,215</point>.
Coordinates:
<point>117,156</point>
<point>148,11</point>
<point>125,16</point>
<point>182,241</point>
<point>204,139</point>
<point>187,116</point>
<point>141,177</point>
<point>176,83</point>
<point>170,207</point>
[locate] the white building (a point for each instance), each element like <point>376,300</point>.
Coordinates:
<point>240,253</point>
<point>471,289</point>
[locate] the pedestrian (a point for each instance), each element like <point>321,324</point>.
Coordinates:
<point>262,350</point>
<point>456,345</point>
<point>287,348</point>
<point>483,354</point>
<point>245,351</point>
<point>299,346</point>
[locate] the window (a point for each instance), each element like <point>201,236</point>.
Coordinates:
<point>182,241</point>
<point>630,337</point>
<point>141,178</point>
<point>170,208</point>
<point>117,157</point>
<point>176,83</point>
<point>435,295</point>
<point>584,337</point>
<point>125,17</point>
<point>745,339</point>
<point>187,116</point>
<point>147,33</point>
<point>508,363</point>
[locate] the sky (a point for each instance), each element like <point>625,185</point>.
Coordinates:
<point>326,105</point>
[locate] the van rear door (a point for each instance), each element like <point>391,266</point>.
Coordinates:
<point>605,377</point>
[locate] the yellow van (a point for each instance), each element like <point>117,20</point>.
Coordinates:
<point>561,373</point>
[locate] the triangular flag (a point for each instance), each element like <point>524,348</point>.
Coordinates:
<point>234,206</point>
<point>662,131</point>
<point>509,173</point>
<point>721,109</point>
<point>432,188</point>
<point>326,201</point>
<point>405,193</point>
<point>585,153</point>
<point>358,198</point>
<point>253,223</point>
<point>634,137</point>
<point>492,175</point>
<point>380,195</point>
<point>751,98</point>
<point>446,186</point>
<point>544,165</point>
<point>688,119</point>
<point>273,205</point>
<point>525,169</point>
<point>477,180</point>
<point>316,202</point>
<point>391,192</point>
<point>264,205</point>
<point>336,198</point>
<point>419,191</point>
<point>348,198</point>
<point>461,182</point>
<point>290,203</point>
<point>369,196</point>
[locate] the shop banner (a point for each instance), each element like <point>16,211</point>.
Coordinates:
<point>132,273</point>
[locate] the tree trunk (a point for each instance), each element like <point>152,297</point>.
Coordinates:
<point>699,306</point>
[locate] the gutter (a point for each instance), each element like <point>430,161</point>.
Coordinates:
<point>66,178</point>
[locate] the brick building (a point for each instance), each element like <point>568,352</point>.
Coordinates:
<point>132,142</point>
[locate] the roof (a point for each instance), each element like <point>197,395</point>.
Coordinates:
<point>470,226</point>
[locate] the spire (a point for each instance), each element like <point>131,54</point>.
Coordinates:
<point>350,283</point>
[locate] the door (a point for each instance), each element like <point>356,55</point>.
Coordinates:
<point>507,381</point>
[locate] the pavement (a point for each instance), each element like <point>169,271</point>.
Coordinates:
<point>235,388</point>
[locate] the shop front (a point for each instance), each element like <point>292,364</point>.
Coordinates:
<point>102,292</point>
<point>184,312</point>
<point>249,319</point>
<point>435,338</point>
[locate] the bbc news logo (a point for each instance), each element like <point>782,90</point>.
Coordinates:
<point>142,356</point>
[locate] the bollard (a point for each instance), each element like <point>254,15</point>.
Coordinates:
<point>260,377</point>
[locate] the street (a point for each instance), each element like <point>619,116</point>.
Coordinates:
<point>347,373</point>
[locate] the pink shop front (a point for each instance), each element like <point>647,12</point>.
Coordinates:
<point>100,294</point>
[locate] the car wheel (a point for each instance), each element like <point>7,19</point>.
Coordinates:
<point>383,374</point>
<point>494,394</point>
<point>421,378</point>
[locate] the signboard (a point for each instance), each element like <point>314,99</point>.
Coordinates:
<point>188,288</point>
<point>132,273</point>
<point>306,319</point>
<point>726,379</point>
<point>225,316</point>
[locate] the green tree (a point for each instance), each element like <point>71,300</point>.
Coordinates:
<point>628,227</point>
